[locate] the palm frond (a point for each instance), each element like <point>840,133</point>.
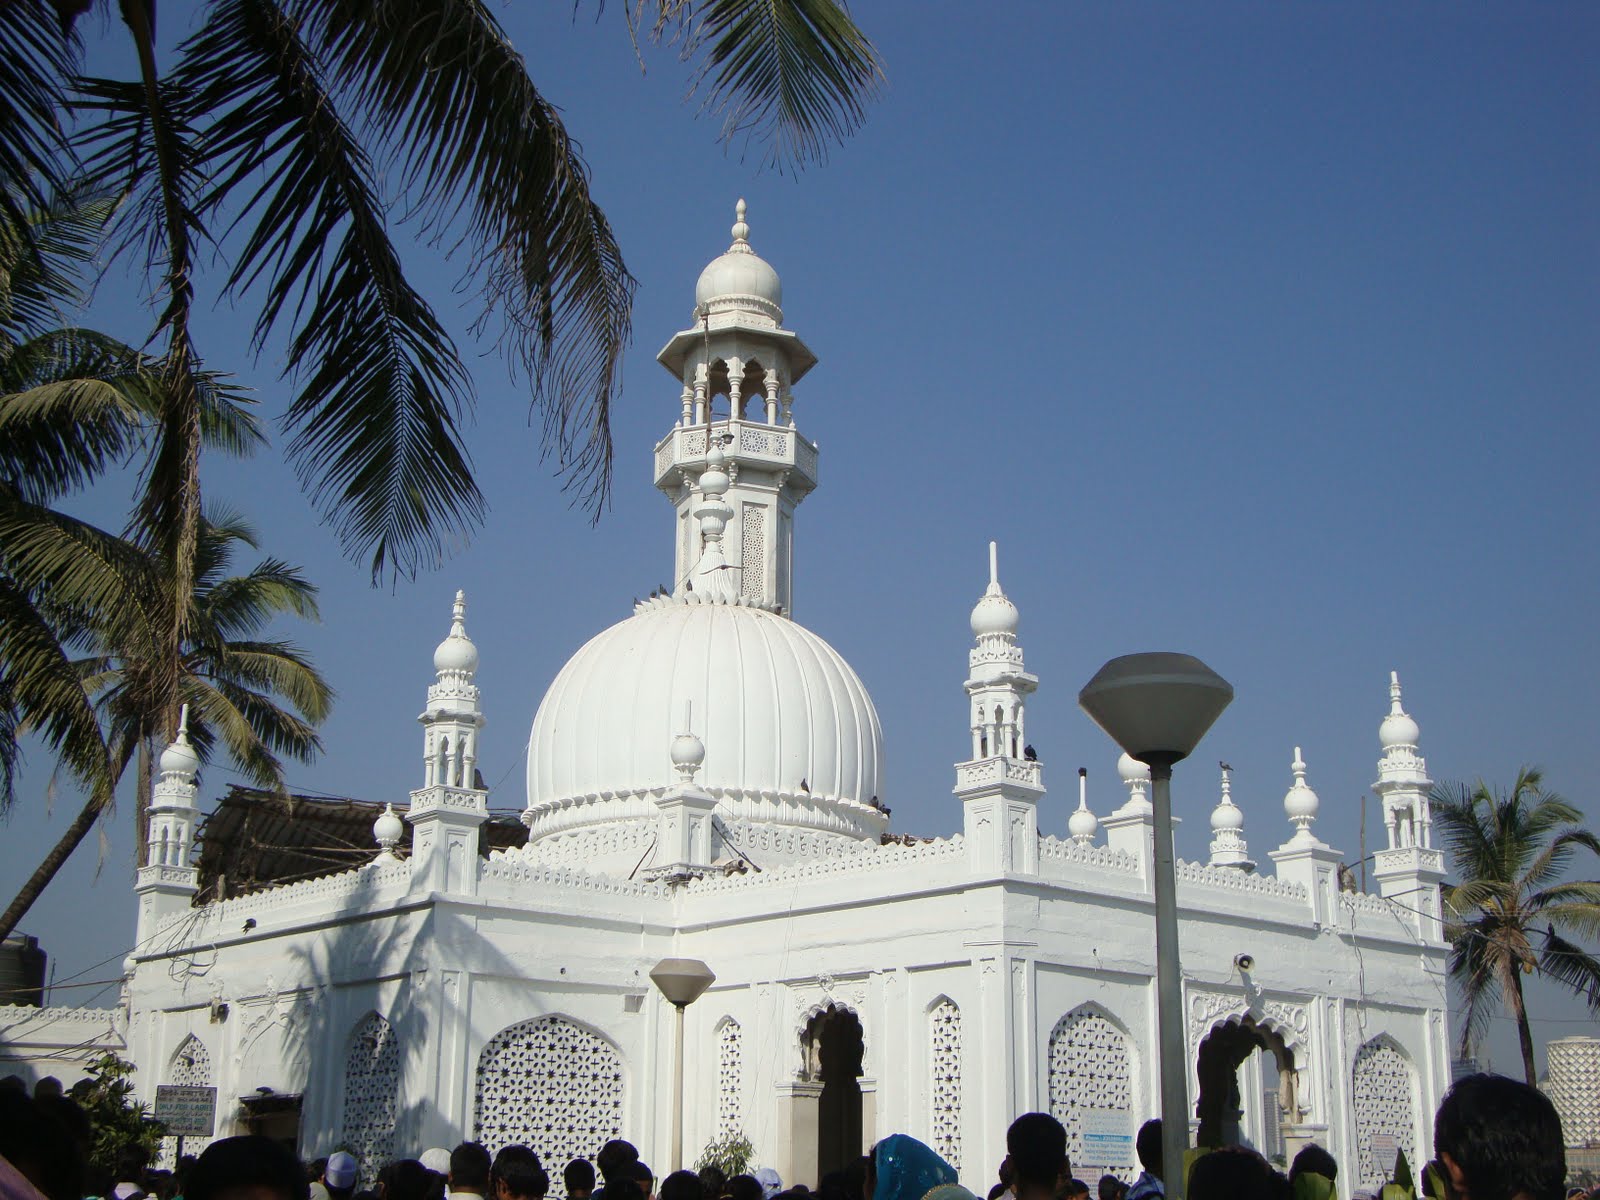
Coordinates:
<point>274,666</point>
<point>243,605</point>
<point>1572,966</point>
<point>41,267</point>
<point>452,101</point>
<point>36,54</point>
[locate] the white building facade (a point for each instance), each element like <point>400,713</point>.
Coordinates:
<point>705,781</point>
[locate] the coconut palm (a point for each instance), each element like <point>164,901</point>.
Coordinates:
<point>1514,912</point>
<point>257,698</point>
<point>267,135</point>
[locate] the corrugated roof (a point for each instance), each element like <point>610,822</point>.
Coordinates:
<point>255,839</point>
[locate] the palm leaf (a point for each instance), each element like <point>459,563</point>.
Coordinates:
<point>35,55</point>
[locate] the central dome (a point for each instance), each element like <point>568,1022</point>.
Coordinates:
<point>790,734</point>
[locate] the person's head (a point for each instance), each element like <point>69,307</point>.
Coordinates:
<point>1076,1189</point>
<point>771,1182</point>
<point>339,1174</point>
<point>905,1169</point>
<point>1036,1144</point>
<point>1498,1139</point>
<point>469,1169</point>
<point>315,1168</point>
<point>1111,1188</point>
<point>998,1190</point>
<point>246,1168</point>
<point>578,1178</point>
<point>1314,1160</point>
<point>645,1178</point>
<point>437,1160</point>
<point>1148,1147</point>
<point>683,1185</point>
<point>1235,1173</point>
<point>407,1179</point>
<point>744,1187</point>
<point>132,1162</point>
<point>616,1159</point>
<point>712,1180</point>
<point>518,1175</point>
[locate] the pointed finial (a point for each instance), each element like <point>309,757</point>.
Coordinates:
<point>458,614</point>
<point>1227,783</point>
<point>741,231</point>
<point>1301,803</point>
<point>994,567</point>
<point>688,715</point>
<point>1394,694</point>
<point>183,724</point>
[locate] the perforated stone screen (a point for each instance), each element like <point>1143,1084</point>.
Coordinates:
<point>1384,1084</point>
<point>1091,1092</point>
<point>944,1044</point>
<point>371,1094</point>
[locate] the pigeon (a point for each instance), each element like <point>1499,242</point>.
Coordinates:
<point>477,780</point>
<point>1224,766</point>
<point>1029,753</point>
<point>805,787</point>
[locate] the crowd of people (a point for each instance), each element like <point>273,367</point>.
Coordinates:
<point>1494,1139</point>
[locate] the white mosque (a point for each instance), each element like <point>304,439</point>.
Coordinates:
<point>705,782</point>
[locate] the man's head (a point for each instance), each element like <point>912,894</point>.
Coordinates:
<point>246,1168</point>
<point>1037,1146</point>
<point>1148,1146</point>
<point>1498,1139</point>
<point>616,1159</point>
<point>1234,1173</point>
<point>1111,1188</point>
<point>1076,1189</point>
<point>1314,1160</point>
<point>578,1176</point>
<point>683,1185</point>
<point>645,1178</point>
<point>712,1181</point>
<point>339,1174</point>
<point>518,1175</point>
<point>469,1168</point>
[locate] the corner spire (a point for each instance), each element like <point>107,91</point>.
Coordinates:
<point>741,231</point>
<point>1228,847</point>
<point>1300,804</point>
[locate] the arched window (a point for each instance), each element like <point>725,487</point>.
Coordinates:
<point>1091,1092</point>
<point>190,1065</point>
<point>1384,1086</point>
<point>552,1085</point>
<point>944,1089</point>
<point>371,1094</point>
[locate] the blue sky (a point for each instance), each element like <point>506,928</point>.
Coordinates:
<point>1263,332</point>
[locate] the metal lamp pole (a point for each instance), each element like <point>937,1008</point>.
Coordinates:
<point>681,981</point>
<point>1157,707</point>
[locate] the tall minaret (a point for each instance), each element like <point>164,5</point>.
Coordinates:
<point>168,881</point>
<point>1409,869</point>
<point>447,810</point>
<point>1000,784</point>
<point>736,366</point>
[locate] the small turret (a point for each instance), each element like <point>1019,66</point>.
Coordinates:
<point>1228,847</point>
<point>1083,824</point>
<point>167,882</point>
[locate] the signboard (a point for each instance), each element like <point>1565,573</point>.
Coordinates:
<point>186,1111</point>
<point>1384,1150</point>
<point>1107,1138</point>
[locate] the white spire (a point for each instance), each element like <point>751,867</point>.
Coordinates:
<point>1083,824</point>
<point>179,762</point>
<point>688,751</point>
<point>997,683</point>
<point>1300,804</point>
<point>1403,782</point>
<point>714,578</point>
<point>1135,776</point>
<point>456,657</point>
<point>452,719</point>
<point>1228,847</point>
<point>387,831</point>
<point>741,231</point>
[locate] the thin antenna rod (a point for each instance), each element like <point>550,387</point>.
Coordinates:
<point>994,565</point>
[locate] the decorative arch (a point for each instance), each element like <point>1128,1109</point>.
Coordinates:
<point>730,1077</point>
<point>551,1084</point>
<point>944,1085</point>
<point>371,1093</point>
<point>805,1022</point>
<point>190,1065</point>
<point>1383,1085</point>
<point>1090,1075</point>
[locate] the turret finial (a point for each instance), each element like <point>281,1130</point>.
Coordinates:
<point>1394,694</point>
<point>741,230</point>
<point>994,568</point>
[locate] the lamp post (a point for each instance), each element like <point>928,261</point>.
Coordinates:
<point>1157,707</point>
<point>682,981</point>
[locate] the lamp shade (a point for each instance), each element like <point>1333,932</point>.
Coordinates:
<point>682,980</point>
<point>1156,706</point>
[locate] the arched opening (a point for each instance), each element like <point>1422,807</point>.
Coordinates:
<point>834,1050</point>
<point>1224,1104</point>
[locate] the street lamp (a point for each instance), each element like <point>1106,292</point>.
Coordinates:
<point>1157,707</point>
<point>682,981</point>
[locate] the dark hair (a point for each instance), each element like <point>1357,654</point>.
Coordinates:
<point>240,1162</point>
<point>998,1190</point>
<point>1111,1188</point>
<point>623,1187</point>
<point>615,1157</point>
<point>712,1180</point>
<point>1503,1136</point>
<point>1314,1160</point>
<point>44,1140</point>
<point>315,1168</point>
<point>645,1176</point>
<point>407,1179</point>
<point>1148,1146</point>
<point>1234,1173</point>
<point>745,1187</point>
<point>683,1185</point>
<point>518,1169</point>
<point>578,1175</point>
<point>1076,1187</point>
<point>469,1167</point>
<point>1037,1144</point>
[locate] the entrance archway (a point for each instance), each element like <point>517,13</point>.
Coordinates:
<point>1221,1106</point>
<point>834,1049</point>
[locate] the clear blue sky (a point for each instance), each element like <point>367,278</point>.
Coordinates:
<point>1264,332</point>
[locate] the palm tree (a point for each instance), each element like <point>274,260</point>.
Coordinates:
<point>269,134</point>
<point>1513,909</point>
<point>81,587</point>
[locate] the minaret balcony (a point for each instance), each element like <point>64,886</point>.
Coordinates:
<point>753,444</point>
<point>981,771</point>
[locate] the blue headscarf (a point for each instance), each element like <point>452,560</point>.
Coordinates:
<point>907,1169</point>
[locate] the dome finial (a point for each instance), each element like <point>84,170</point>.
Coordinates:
<point>741,230</point>
<point>994,568</point>
<point>1082,824</point>
<point>1300,804</point>
<point>1394,695</point>
<point>994,615</point>
<point>456,655</point>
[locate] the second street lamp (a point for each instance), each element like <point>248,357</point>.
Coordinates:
<point>1157,707</point>
<point>682,981</point>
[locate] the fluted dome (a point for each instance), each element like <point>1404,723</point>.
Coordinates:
<point>789,732</point>
<point>740,275</point>
<point>1398,729</point>
<point>456,654</point>
<point>1227,816</point>
<point>994,613</point>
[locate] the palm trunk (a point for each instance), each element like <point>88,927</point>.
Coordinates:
<point>141,803</point>
<point>1519,1013</point>
<point>46,871</point>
